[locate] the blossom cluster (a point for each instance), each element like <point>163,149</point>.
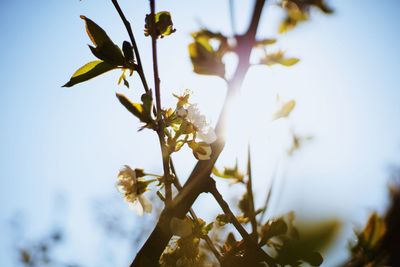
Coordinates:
<point>186,125</point>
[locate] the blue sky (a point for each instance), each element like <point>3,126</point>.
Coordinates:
<point>73,141</point>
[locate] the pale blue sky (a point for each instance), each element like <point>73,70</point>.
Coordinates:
<point>73,141</point>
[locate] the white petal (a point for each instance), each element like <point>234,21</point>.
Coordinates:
<point>209,136</point>
<point>146,204</point>
<point>136,207</point>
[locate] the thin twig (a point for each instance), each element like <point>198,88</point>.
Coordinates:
<point>251,244</point>
<point>249,186</point>
<point>160,130</point>
<point>134,45</point>
<point>208,240</point>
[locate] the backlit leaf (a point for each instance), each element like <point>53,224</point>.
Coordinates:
<point>163,24</point>
<point>205,60</point>
<point>229,173</point>
<point>135,108</point>
<point>104,48</point>
<point>278,58</point>
<point>89,71</point>
<point>265,42</point>
<point>285,110</point>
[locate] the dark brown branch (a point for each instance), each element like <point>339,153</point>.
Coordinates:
<point>249,187</point>
<point>160,131</point>
<point>134,45</point>
<point>199,181</point>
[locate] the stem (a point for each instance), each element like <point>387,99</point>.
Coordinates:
<point>154,51</point>
<point>251,244</point>
<point>134,45</point>
<point>249,186</point>
<point>208,240</point>
<point>160,130</point>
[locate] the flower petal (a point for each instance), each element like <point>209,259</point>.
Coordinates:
<point>208,136</point>
<point>145,203</point>
<point>136,207</point>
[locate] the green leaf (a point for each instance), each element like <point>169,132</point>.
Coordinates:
<point>274,227</point>
<point>109,53</point>
<point>135,108</point>
<point>222,219</point>
<point>287,62</point>
<point>104,48</point>
<point>163,24</point>
<point>205,60</point>
<point>373,231</point>
<point>89,71</point>
<point>278,58</point>
<point>299,11</point>
<point>265,42</point>
<point>285,110</point>
<point>128,52</point>
<point>229,173</point>
<point>221,41</point>
<point>96,34</point>
<point>123,78</point>
<point>147,104</point>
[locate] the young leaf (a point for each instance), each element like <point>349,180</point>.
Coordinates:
<point>229,173</point>
<point>285,110</point>
<point>135,108</point>
<point>273,227</point>
<point>96,34</point>
<point>265,42</point>
<point>204,59</point>
<point>89,71</point>
<point>163,24</point>
<point>299,11</point>
<point>104,48</point>
<point>128,52</point>
<point>278,58</point>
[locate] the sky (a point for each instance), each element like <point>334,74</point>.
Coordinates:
<point>69,143</point>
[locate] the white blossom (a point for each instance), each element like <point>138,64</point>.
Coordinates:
<point>133,188</point>
<point>204,131</point>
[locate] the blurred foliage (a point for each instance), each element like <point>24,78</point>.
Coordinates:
<point>378,244</point>
<point>298,11</point>
<point>163,24</point>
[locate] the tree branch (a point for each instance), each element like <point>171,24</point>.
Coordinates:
<point>134,45</point>
<point>199,180</point>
